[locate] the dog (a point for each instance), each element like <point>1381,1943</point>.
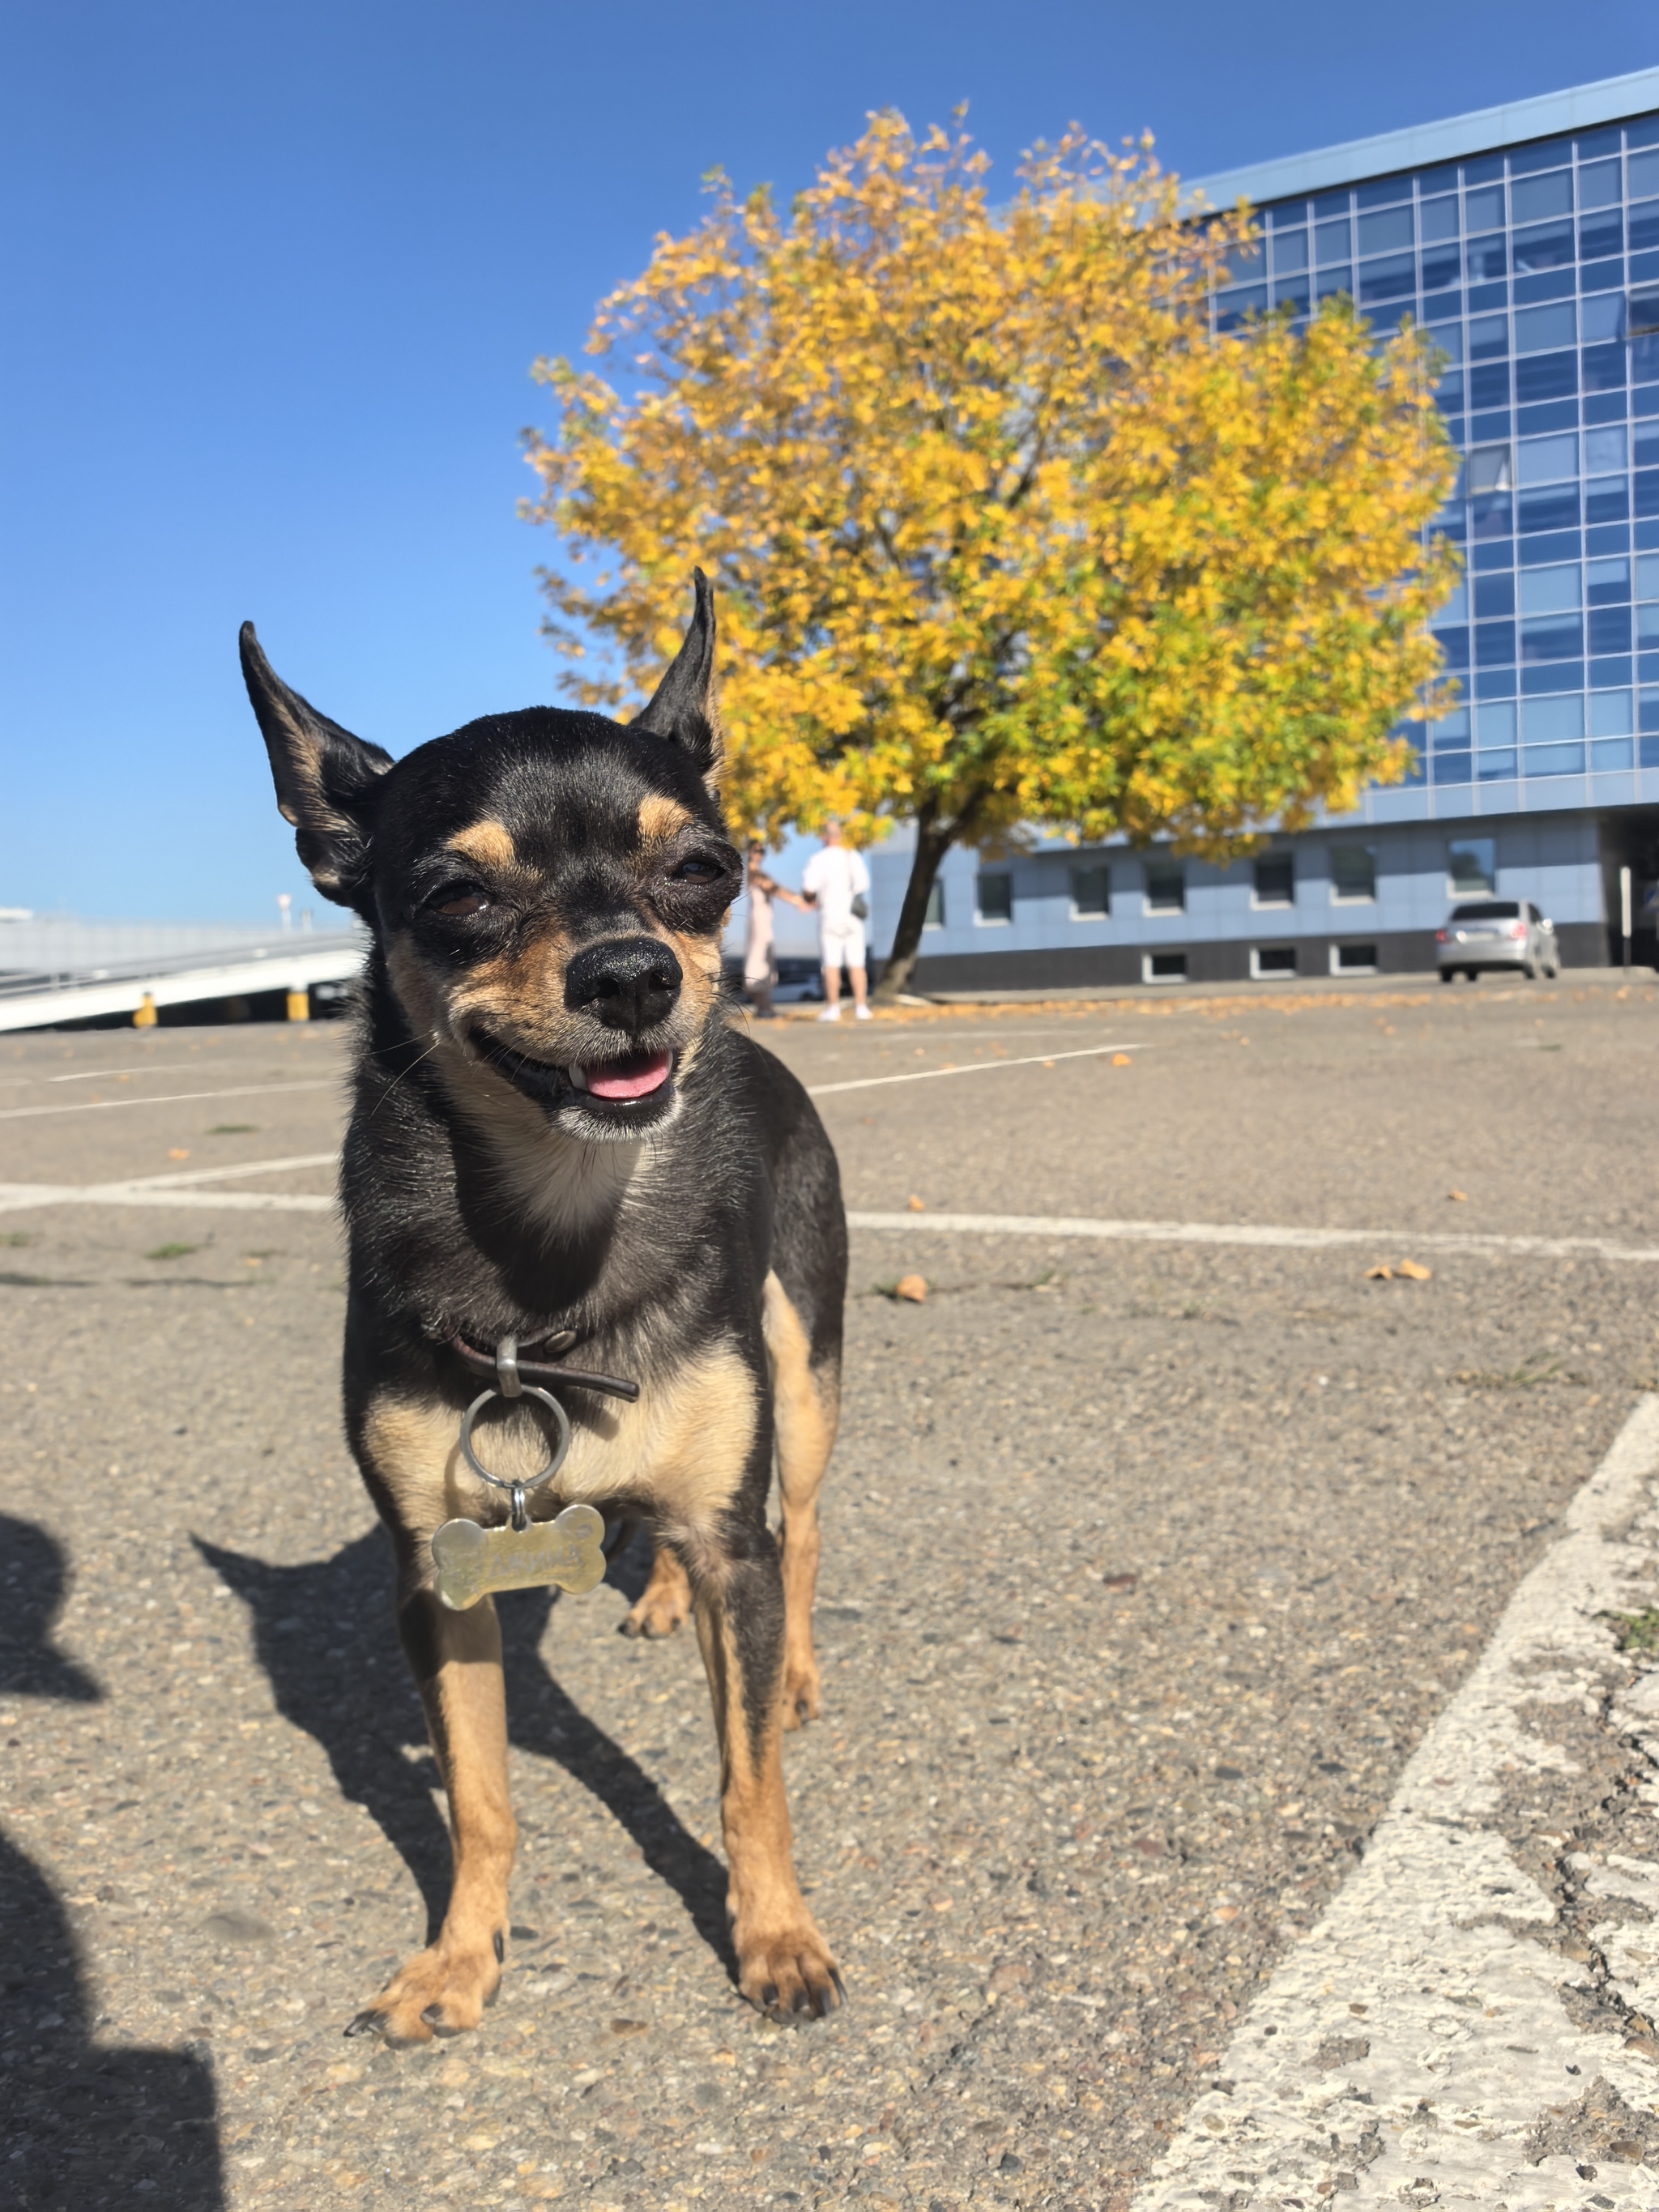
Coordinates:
<point>560,1136</point>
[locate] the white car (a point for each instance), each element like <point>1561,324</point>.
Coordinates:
<point>1495,932</point>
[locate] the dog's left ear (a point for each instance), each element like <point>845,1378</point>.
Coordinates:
<point>325,781</point>
<point>679,708</point>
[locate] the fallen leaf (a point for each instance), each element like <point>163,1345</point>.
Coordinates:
<point>179,1152</point>
<point>916,1205</point>
<point>1121,1059</point>
<point>1414,1271</point>
<point>1462,1197</point>
<point>912,1287</point>
<point>1381,1273</point>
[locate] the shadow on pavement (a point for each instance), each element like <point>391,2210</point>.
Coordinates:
<point>31,1593</point>
<point>82,2124</point>
<point>325,1634</point>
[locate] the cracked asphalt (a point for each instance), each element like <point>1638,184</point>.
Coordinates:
<point>1146,1567</point>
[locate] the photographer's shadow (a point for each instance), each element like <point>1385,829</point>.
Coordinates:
<point>86,2122</point>
<point>325,1634</point>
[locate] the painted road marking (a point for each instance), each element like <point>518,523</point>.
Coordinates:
<point>973,1067</point>
<point>1227,1232</point>
<point>16,1196</point>
<point>177,1189</point>
<point>167,1098</point>
<point>1408,2046</point>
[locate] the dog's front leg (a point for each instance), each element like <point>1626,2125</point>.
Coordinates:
<point>456,1659</point>
<point>784,1966</point>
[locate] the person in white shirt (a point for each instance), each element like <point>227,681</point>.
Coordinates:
<point>837,883</point>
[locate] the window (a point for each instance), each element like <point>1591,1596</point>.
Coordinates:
<point>1537,329</point>
<point>1538,196</point>
<point>1471,865</point>
<point>1092,893</point>
<point>1488,469</point>
<point>1643,313</point>
<point>934,917</point>
<point>1547,460</point>
<point>1268,961</point>
<point>1353,960</point>
<point>1275,880</point>
<point>994,897</point>
<point>1166,887</point>
<point>1164,967</point>
<point>1354,873</point>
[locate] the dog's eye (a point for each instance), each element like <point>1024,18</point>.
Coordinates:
<point>697,869</point>
<point>455,904</point>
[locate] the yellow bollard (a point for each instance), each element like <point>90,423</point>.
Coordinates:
<point>145,1013</point>
<point>298,1005</point>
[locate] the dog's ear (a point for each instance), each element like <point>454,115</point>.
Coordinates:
<point>325,779</point>
<point>680,709</point>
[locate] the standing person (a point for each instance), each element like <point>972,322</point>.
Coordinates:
<point>759,967</point>
<point>837,883</point>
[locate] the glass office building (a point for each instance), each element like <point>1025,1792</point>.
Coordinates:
<point>1526,241</point>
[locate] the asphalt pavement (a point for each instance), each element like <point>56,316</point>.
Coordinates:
<point>1149,1560</point>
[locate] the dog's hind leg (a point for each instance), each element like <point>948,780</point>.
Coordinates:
<point>784,1966</point>
<point>804,1404</point>
<point>456,1659</point>
<point>664,1602</point>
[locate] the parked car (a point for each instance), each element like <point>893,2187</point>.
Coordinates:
<point>1509,934</point>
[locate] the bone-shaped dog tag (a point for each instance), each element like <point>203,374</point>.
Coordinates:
<point>472,1561</point>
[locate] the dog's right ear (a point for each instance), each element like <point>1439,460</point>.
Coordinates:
<point>325,779</point>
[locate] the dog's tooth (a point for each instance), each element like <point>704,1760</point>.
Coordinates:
<point>579,1075</point>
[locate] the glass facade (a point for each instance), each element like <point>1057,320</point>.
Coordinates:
<point>1535,271</point>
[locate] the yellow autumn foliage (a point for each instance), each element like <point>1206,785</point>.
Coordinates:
<point>1001,534</point>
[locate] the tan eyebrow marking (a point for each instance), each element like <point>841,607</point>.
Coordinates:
<point>487,843</point>
<point>659,817</point>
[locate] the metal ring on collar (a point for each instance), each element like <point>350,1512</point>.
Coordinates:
<point>561,1422</point>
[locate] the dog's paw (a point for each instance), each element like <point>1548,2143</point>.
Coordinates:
<point>442,1991</point>
<point>800,1694</point>
<point>666,1601</point>
<point>788,1974</point>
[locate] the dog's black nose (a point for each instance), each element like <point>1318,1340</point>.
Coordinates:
<point>629,982</point>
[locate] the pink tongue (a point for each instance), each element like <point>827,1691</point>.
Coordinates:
<point>629,1079</point>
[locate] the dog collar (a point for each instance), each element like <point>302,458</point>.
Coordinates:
<point>511,1374</point>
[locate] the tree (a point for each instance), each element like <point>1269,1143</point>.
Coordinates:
<point>1004,536</point>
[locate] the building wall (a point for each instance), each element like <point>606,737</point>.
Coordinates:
<point>1554,859</point>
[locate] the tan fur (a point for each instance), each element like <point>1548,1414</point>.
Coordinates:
<point>488,844</point>
<point>805,1409</point>
<point>782,1957</point>
<point>679,1454</point>
<point>456,1976</point>
<point>660,818</point>
<point>664,1602</point>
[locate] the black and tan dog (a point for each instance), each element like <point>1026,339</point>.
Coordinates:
<point>558,1136</point>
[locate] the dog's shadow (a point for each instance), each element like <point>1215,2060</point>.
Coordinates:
<point>325,1634</point>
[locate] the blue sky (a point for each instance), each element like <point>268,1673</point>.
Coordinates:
<point>274,278</point>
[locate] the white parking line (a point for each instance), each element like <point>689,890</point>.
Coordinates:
<point>973,1067</point>
<point>15,1197</point>
<point>1408,2048</point>
<point>1228,1232</point>
<point>167,1098</point>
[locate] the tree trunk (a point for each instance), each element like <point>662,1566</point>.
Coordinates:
<point>934,840</point>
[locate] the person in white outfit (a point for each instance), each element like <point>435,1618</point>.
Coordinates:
<point>759,964</point>
<point>837,884</point>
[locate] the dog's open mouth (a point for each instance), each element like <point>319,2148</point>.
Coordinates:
<point>635,1077</point>
<point>626,1086</point>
